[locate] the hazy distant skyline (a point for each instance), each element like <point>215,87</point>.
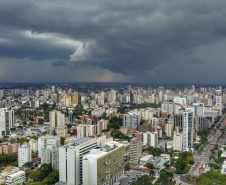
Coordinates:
<point>113,41</point>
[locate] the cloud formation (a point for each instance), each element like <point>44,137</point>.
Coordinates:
<point>133,39</point>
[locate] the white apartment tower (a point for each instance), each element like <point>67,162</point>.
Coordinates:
<point>178,141</point>
<point>56,119</point>
<point>150,139</point>
<point>24,154</point>
<point>47,142</point>
<point>6,121</point>
<point>71,156</point>
<point>219,101</point>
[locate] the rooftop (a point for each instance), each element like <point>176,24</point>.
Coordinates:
<point>81,141</point>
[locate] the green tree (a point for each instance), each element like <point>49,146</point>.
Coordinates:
<point>150,165</point>
<point>152,173</point>
<point>34,174</point>
<point>62,139</point>
<point>166,177</point>
<point>52,178</point>
<point>220,160</point>
<point>190,159</point>
<point>180,165</point>
<point>166,164</point>
<point>142,121</point>
<point>127,166</point>
<point>211,177</point>
<point>219,153</point>
<point>120,110</point>
<point>144,180</point>
<point>115,123</point>
<point>28,166</point>
<point>45,170</point>
<point>104,115</point>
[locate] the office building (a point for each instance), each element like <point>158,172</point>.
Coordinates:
<point>6,121</point>
<point>24,154</point>
<point>71,156</point>
<point>219,101</point>
<point>104,166</point>
<point>188,130</point>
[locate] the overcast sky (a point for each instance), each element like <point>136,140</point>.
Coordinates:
<point>155,41</point>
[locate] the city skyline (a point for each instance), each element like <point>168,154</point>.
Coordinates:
<point>156,42</point>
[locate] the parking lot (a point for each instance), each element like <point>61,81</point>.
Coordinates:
<point>129,176</point>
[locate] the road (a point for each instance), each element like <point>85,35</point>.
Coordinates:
<point>203,157</point>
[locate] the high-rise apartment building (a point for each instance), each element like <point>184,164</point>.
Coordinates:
<point>104,166</point>
<point>219,101</point>
<point>131,120</point>
<point>1,93</point>
<point>102,125</point>
<point>84,130</point>
<point>178,141</point>
<point>135,150</point>
<point>198,109</point>
<point>24,154</point>
<point>150,139</point>
<point>56,118</point>
<point>111,96</point>
<point>178,120</point>
<point>47,142</point>
<point>199,123</point>
<point>71,156</point>
<point>54,98</point>
<point>6,121</point>
<point>188,130</point>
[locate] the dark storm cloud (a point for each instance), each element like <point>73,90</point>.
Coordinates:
<point>197,61</point>
<point>60,63</point>
<point>130,37</point>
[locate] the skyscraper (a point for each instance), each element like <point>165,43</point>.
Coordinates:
<point>188,130</point>
<point>219,101</point>
<point>6,121</point>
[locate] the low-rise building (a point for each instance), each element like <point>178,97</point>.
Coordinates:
<point>7,148</point>
<point>16,178</point>
<point>8,171</point>
<point>146,159</point>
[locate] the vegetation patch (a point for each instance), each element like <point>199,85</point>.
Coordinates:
<point>191,179</point>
